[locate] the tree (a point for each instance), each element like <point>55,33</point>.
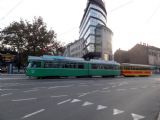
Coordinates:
<point>30,38</point>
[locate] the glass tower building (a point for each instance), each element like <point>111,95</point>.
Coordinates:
<point>95,38</point>
<point>94,14</point>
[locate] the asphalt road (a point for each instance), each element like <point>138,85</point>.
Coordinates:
<point>133,98</point>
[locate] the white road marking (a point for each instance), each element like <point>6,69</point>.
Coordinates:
<point>137,117</point>
<point>144,87</point>
<point>83,85</point>
<point>133,88</point>
<point>31,90</point>
<point>94,91</point>
<point>59,96</point>
<point>116,111</point>
<point>101,107</point>
<point>7,94</point>
<point>75,100</point>
<point>113,86</point>
<point>106,88</point>
<point>59,86</point>
<point>105,91</point>
<point>63,101</point>
<point>34,113</point>
<point>120,89</point>
<point>154,86</point>
<point>84,94</point>
<point>8,89</point>
<point>97,84</point>
<point>18,100</point>
<point>87,103</point>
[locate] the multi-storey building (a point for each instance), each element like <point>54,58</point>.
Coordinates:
<point>139,54</point>
<point>94,34</point>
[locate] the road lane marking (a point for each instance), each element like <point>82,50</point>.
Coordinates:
<point>34,113</point>
<point>133,88</point>
<point>83,85</point>
<point>7,94</point>
<point>137,117</point>
<point>101,107</point>
<point>18,100</point>
<point>34,90</point>
<point>120,89</point>
<point>116,111</point>
<point>58,96</point>
<point>106,88</point>
<point>94,91</point>
<point>59,86</point>
<point>144,87</point>
<point>87,103</point>
<point>105,91</point>
<point>97,84</point>
<point>84,94</point>
<point>75,100</point>
<point>63,101</point>
<point>113,86</point>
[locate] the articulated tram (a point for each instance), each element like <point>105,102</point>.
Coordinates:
<point>59,66</point>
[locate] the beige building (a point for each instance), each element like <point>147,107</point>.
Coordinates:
<point>139,54</point>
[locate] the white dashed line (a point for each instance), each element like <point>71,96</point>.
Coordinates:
<point>18,100</point>
<point>94,91</point>
<point>63,101</point>
<point>97,84</point>
<point>144,87</point>
<point>34,90</point>
<point>113,86</point>
<point>34,113</point>
<point>101,107</point>
<point>59,86</point>
<point>83,85</point>
<point>84,94</point>
<point>58,96</point>
<point>137,117</point>
<point>120,89</point>
<point>133,88</point>
<point>106,88</point>
<point>87,103</point>
<point>105,91</point>
<point>116,111</point>
<point>7,94</point>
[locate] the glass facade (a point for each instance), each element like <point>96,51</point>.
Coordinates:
<point>94,15</point>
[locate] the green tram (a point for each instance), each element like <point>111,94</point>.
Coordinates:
<point>59,66</point>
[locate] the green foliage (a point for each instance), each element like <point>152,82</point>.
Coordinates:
<point>31,38</point>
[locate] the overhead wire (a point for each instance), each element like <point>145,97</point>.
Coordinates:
<point>11,10</point>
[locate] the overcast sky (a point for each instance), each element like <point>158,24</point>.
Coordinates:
<point>132,21</point>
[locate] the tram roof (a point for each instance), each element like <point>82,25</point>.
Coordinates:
<point>104,62</point>
<point>139,65</point>
<point>60,58</point>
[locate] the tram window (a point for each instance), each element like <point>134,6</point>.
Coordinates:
<point>80,66</point>
<point>94,66</point>
<point>36,65</point>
